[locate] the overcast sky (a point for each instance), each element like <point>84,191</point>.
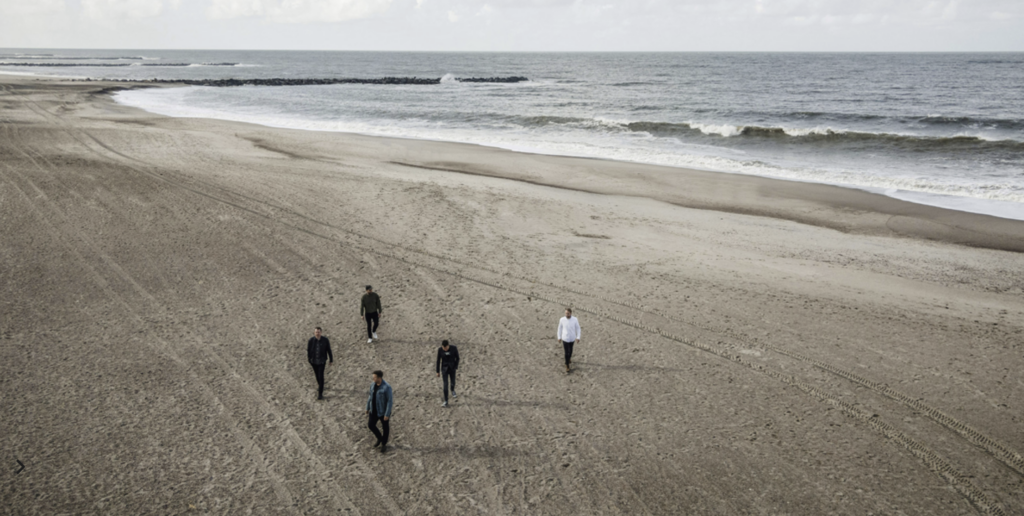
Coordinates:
<point>518,25</point>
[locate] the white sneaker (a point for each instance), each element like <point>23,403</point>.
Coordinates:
<point>454,395</point>
<point>369,341</point>
<point>444,403</point>
<point>374,336</point>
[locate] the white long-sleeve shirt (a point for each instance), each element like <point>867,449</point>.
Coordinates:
<point>569,329</point>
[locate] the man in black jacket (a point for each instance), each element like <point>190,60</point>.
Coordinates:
<point>446,364</point>
<point>318,350</point>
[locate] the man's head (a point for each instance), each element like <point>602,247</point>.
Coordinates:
<point>316,332</point>
<point>369,288</point>
<point>444,344</point>
<point>568,313</point>
<point>378,377</point>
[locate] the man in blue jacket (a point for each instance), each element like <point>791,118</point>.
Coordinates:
<point>378,407</point>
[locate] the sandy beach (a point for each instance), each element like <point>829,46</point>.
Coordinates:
<point>749,346</point>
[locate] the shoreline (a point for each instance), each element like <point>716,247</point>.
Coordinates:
<point>851,209</point>
<point>950,204</point>
<point>999,208</point>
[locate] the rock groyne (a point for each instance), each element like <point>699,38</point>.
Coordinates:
<point>326,81</point>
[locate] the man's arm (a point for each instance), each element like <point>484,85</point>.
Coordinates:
<point>437,362</point>
<point>579,335</point>
<point>391,403</point>
<point>455,351</point>
<point>380,309</point>
<point>309,350</point>
<point>558,332</point>
<point>327,344</point>
<point>362,306</point>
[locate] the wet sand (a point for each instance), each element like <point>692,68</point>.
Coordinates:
<point>749,346</point>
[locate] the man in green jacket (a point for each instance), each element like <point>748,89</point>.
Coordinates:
<point>371,310</point>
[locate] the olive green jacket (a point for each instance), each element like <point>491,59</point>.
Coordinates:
<point>370,304</point>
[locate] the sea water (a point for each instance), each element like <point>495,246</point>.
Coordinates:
<point>939,129</point>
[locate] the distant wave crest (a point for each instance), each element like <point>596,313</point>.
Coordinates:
<point>820,135</point>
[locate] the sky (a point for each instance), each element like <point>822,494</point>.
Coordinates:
<point>518,25</point>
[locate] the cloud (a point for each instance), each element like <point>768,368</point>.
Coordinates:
<point>298,11</point>
<point>857,12</point>
<point>107,9</point>
<point>34,8</point>
<point>519,24</point>
<point>224,9</point>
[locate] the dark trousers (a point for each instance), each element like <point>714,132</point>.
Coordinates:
<point>372,321</point>
<point>318,370</point>
<point>447,374</point>
<point>568,351</point>
<point>383,438</point>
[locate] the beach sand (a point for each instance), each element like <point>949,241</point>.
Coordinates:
<point>749,346</point>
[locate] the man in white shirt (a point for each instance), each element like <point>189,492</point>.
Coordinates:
<point>568,334</point>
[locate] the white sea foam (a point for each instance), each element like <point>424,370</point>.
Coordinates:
<point>821,131</point>
<point>29,74</point>
<point>41,75</point>
<point>719,129</point>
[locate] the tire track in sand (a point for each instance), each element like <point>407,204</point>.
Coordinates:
<point>252,452</point>
<point>894,436</point>
<point>258,456</point>
<point>960,482</point>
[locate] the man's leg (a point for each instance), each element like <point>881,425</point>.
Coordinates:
<point>451,372</point>
<point>387,432</point>
<point>444,383</point>
<point>568,354</point>
<point>373,428</point>
<point>369,326</point>
<point>376,323</point>
<point>318,369</point>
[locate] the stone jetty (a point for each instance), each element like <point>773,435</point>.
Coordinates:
<point>112,65</point>
<point>320,82</point>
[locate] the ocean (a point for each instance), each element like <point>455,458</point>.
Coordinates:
<point>938,129</point>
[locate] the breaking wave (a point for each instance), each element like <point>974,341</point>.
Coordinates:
<point>819,135</point>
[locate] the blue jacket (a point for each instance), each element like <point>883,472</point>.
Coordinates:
<point>385,399</point>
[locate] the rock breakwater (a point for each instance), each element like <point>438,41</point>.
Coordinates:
<point>320,82</point>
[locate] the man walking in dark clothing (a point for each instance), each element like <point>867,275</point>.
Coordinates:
<point>378,407</point>
<point>318,350</point>
<point>445,365</point>
<point>371,310</point>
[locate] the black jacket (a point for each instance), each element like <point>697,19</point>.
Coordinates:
<point>319,351</point>
<point>447,359</point>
